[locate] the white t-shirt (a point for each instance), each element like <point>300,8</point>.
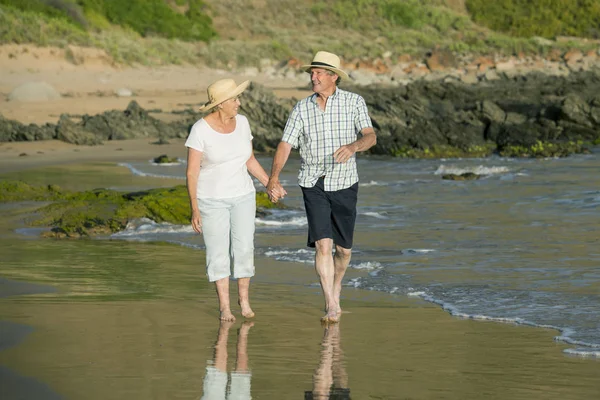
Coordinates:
<point>223,173</point>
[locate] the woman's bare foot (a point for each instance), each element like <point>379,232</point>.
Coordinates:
<point>246,310</point>
<point>226,315</point>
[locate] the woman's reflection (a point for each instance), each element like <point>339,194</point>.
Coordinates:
<point>216,378</point>
<point>330,380</point>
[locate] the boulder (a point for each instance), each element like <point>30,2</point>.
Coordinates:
<point>33,92</point>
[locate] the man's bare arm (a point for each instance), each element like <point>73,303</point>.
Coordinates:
<point>368,140</point>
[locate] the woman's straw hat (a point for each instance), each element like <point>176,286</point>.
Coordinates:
<point>221,90</point>
<point>327,61</point>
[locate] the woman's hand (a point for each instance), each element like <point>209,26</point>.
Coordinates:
<point>196,221</point>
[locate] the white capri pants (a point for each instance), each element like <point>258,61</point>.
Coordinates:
<point>228,231</point>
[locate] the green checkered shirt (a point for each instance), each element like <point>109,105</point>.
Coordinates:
<point>318,134</point>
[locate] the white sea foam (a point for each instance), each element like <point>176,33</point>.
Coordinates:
<point>138,172</point>
<point>373,183</point>
<point>296,221</point>
<point>418,251</point>
<point>583,353</point>
<point>369,266</point>
<point>145,226</point>
<point>375,215</point>
<point>179,162</point>
<point>479,170</point>
<point>296,255</point>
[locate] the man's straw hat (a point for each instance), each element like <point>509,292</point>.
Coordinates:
<point>221,90</point>
<point>327,61</point>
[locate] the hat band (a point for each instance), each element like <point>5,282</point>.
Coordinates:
<point>318,63</point>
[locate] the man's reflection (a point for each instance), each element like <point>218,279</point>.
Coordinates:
<point>330,380</point>
<point>216,378</point>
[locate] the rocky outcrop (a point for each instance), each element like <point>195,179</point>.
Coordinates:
<point>531,115</point>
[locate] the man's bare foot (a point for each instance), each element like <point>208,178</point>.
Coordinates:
<point>331,316</point>
<point>246,310</point>
<point>227,316</point>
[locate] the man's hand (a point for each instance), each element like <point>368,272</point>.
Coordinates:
<point>196,221</point>
<point>344,153</point>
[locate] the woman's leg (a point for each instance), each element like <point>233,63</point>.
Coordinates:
<point>223,295</point>
<point>242,248</point>
<point>215,230</point>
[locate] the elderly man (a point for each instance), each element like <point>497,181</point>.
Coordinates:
<point>329,128</point>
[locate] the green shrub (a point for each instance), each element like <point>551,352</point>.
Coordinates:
<point>146,17</point>
<point>546,18</point>
<point>155,18</point>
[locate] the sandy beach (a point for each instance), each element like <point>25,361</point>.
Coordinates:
<point>139,320</point>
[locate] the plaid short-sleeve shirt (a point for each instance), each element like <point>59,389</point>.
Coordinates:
<point>318,134</point>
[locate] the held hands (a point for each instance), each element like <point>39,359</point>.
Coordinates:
<point>275,191</point>
<point>196,221</point>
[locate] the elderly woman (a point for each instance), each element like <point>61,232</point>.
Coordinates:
<point>222,193</point>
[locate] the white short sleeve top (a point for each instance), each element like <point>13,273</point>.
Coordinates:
<point>223,172</point>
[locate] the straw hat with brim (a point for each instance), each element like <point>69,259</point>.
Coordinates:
<point>327,61</point>
<point>222,90</point>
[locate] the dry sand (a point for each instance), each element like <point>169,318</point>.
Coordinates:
<point>90,87</point>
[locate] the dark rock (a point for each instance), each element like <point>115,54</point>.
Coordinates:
<point>164,159</point>
<point>70,132</point>
<point>467,176</point>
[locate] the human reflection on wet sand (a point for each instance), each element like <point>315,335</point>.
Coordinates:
<point>216,378</point>
<point>330,380</point>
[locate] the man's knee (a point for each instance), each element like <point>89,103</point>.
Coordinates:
<point>342,252</point>
<point>324,246</point>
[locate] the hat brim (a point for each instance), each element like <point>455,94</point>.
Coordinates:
<point>338,71</point>
<point>238,90</point>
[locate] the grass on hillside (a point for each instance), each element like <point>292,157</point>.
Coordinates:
<point>254,30</point>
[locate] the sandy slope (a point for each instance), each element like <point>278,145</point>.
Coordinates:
<point>89,87</point>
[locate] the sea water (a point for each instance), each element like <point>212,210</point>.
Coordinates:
<point>519,245</point>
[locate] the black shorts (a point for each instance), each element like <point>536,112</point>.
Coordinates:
<point>330,214</point>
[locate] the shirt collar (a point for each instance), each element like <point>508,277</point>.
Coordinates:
<point>314,96</point>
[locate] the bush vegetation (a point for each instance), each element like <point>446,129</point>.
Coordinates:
<point>185,31</point>
<point>146,17</point>
<point>546,18</point>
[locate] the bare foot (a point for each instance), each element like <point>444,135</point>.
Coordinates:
<point>246,310</point>
<point>227,316</point>
<point>331,316</point>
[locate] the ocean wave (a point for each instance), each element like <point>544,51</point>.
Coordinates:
<point>138,172</point>
<point>479,170</point>
<point>146,226</point>
<point>295,221</point>
<point>374,215</point>
<point>294,255</point>
<point>373,183</point>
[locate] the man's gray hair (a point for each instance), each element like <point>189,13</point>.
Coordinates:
<point>338,80</point>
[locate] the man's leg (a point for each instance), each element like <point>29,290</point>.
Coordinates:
<point>325,270</point>
<point>341,259</point>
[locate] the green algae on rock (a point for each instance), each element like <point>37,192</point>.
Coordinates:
<point>104,211</point>
<point>165,159</point>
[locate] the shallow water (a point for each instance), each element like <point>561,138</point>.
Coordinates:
<point>520,245</point>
